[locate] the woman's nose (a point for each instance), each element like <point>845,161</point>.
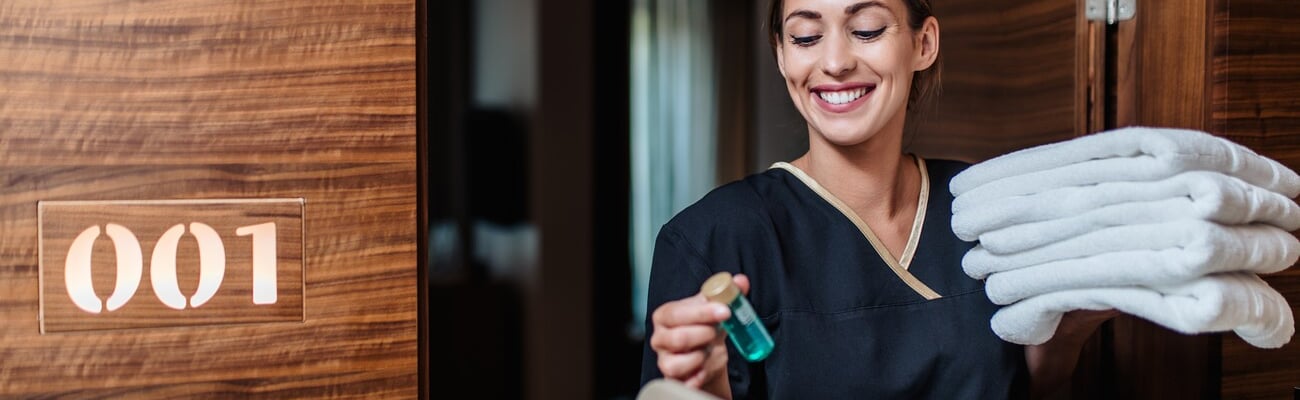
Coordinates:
<point>838,58</point>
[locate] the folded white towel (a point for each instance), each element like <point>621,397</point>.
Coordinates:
<point>1129,154</point>
<point>1207,247</point>
<point>1147,267</point>
<point>1240,302</point>
<point>1024,222</point>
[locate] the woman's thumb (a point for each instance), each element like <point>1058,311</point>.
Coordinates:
<point>742,282</point>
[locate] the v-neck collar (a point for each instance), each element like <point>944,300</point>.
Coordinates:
<point>900,265</point>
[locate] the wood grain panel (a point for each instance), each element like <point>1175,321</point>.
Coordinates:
<point>1009,78</point>
<point>1164,66</point>
<point>360,385</point>
<point>360,311</point>
<point>1162,79</point>
<point>1253,373</point>
<point>1256,101</point>
<point>203,99</point>
<point>123,82</point>
<point>1256,66</point>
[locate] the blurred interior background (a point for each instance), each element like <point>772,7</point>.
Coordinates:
<point>564,133</point>
<point>552,138</point>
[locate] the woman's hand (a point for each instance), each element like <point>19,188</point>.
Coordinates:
<point>1080,324</point>
<point>690,345</point>
<point>1051,364</point>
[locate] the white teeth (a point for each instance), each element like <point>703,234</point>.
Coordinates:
<point>843,96</point>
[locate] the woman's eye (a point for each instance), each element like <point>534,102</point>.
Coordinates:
<point>804,40</point>
<point>868,35</point>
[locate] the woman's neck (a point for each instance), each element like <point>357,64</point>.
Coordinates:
<point>873,177</point>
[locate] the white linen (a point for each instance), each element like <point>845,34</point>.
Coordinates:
<point>1240,302</point>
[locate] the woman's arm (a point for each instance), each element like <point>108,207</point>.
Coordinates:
<point>1051,364</point>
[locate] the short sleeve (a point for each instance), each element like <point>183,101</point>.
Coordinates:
<point>676,272</point>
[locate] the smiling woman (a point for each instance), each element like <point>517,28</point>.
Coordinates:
<point>846,252</point>
<point>868,27</point>
<point>868,56</point>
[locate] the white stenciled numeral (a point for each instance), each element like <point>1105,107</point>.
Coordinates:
<point>130,265</point>
<point>212,266</point>
<point>264,261</point>
<point>76,272</point>
<point>77,276</point>
<point>162,266</point>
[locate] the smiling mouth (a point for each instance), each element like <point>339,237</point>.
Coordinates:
<point>839,97</point>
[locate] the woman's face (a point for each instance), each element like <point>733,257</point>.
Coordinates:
<point>848,64</point>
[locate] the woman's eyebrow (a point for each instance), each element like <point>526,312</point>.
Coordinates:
<point>803,13</point>
<point>850,10</point>
<point>853,9</point>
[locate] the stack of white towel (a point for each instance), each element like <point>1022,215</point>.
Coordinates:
<point>1165,224</point>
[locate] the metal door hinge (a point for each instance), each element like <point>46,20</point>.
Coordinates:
<point>1111,11</point>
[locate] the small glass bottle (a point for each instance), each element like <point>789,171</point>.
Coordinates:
<point>744,328</point>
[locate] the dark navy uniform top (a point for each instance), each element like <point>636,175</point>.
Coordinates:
<point>848,320</point>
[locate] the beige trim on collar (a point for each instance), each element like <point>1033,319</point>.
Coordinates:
<point>898,266</point>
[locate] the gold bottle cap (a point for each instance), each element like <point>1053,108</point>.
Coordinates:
<point>719,288</point>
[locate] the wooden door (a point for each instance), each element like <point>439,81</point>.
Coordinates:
<point>1015,74</point>
<point>214,99</point>
<point>1232,68</point>
<point>1162,79</point>
<point>1255,100</point>
<point>1018,74</point>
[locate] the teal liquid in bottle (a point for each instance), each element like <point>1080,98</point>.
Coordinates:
<point>744,328</point>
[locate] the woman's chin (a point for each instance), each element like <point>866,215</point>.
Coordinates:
<point>847,134</point>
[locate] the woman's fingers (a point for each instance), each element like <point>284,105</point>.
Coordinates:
<point>690,346</point>
<point>684,330</point>
<point>697,379</point>
<point>714,364</point>
<point>694,310</point>
<point>680,366</point>
<point>683,338</point>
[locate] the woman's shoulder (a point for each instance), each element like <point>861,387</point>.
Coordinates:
<point>736,207</point>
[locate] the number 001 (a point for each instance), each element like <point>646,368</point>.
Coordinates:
<point>162,266</point>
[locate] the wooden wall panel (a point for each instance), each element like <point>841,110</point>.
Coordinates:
<point>1256,67</point>
<point>1009,81</point>
<point>193,99</point>
<point>1253,373</point>
<point>128,82</point>
<point>1162,79</point>
<point>1163,74</point>
<point>1256,101</point>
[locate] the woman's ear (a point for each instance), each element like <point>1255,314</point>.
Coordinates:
<point>780,56</point>
<point>928,45</point>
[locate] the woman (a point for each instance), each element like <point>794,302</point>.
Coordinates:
<point>853,264</point>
